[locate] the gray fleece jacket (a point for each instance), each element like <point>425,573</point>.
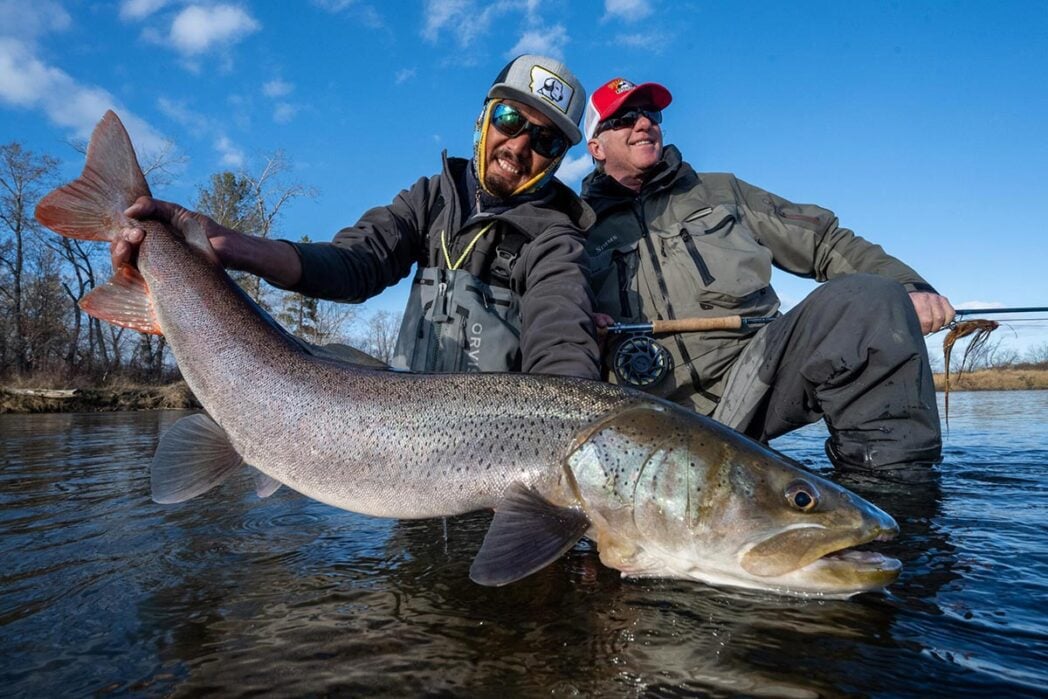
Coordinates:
<point>549,274</point>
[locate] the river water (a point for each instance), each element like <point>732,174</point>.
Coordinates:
<point>106,593</point>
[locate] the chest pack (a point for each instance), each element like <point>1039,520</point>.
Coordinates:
<point>455,322</point>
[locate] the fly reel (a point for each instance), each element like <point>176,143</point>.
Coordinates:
<point>641,361</point>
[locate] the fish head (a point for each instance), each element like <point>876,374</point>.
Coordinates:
<point>673,494</point>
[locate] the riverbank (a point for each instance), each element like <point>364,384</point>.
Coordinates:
<point>177,396</point>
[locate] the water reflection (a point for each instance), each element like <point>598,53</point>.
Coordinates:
<point>105,592</point>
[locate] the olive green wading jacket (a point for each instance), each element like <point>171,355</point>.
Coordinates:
<point>703,245</point>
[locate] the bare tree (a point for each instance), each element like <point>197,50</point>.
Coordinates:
<point>1037,354</point>
<point>23,177</point>
<point>252,204</point>
<point>380,335</point>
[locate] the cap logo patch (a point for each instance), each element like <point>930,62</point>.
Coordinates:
<point>551,87</point>
<point>619,86</point>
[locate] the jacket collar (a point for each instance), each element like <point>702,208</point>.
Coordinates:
<point>602,191</point>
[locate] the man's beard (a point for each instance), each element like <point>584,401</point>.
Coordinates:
<point>498,182</point>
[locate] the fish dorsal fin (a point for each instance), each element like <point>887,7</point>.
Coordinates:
<point>124,300</point>
<point>264,485</point>
<point>527,533</point>
<point>348,354</point>
<point>92,206</point>
<point>193,456</point>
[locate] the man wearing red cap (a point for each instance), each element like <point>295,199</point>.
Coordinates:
<point>671,243</point>
<point>496,242</point>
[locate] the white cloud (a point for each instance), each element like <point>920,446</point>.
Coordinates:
<point>178,111</point>
<point>198,29</point>
<point>284,112</point>
<point>628,10</point>
<point>403,75</point>
<point>277,88</point>
<point>29,83</point>
<point>652,42</point>
<point>546,42</point>
<point>140,9</point>
<point>28,20</point>
<point>366,14</point>
<point>572,170</point>
<point>465,19</point>
<point>229,154</point>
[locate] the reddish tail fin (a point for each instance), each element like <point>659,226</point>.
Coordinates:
<point>92,206</point>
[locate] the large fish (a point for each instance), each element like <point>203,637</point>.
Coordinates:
<point>662,491</point>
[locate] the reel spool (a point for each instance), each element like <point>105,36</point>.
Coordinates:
<point>641,361</point>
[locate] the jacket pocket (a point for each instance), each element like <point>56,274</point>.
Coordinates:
<point>711,257</point>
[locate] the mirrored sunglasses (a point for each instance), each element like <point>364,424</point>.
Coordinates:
<point>628,118</point>
<point>546,141</point>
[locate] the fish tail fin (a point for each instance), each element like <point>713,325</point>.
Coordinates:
<point>192,458</point>
<point>92,206</point>
<point>124,300</point>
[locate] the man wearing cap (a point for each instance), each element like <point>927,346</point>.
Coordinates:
<point>671,243</point>
<point>501,271</point>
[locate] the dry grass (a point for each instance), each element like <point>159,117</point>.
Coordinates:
<point>995,380</point>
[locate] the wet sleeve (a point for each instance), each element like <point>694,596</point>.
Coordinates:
<point>557,333</point>
<point>375,253</point>
<point>808,241</point>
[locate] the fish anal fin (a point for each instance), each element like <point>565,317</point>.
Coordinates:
<point>193,456</point>
<point>124,300</point>
<point>92,206</point>
<point>526,534</point>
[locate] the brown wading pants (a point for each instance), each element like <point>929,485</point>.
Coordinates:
<point>850,353</point>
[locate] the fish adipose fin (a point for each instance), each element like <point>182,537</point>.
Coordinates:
<point>527,533</point>
<point>193,457</point>
<point>264,485</point>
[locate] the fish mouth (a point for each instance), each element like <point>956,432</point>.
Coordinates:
<point>819,560</point>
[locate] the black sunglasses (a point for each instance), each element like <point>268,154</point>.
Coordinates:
<point>628,119</point>
<point>547,142</point>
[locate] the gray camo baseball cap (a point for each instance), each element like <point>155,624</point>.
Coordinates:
<point>547,85</point>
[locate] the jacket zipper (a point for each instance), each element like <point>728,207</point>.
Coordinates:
<point>624,296</point>
<point>696,380</point>
<point>696,257</point>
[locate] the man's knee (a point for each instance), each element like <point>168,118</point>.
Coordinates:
<point>866,290</point>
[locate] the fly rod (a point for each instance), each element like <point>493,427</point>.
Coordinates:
<point>687,325</point>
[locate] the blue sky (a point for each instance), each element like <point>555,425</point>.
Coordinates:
<point>923,125</point>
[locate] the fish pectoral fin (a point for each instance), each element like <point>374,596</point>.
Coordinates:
<point>193,456</point>
<point>527,533</point>
<point>264,485</point>
<point>124,300</point>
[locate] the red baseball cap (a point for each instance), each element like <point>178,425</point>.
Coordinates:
<point>609,97</point>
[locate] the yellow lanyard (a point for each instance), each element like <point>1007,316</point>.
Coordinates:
<point>469,248</point>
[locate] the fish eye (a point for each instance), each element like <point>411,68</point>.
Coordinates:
<point>802,496</point>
